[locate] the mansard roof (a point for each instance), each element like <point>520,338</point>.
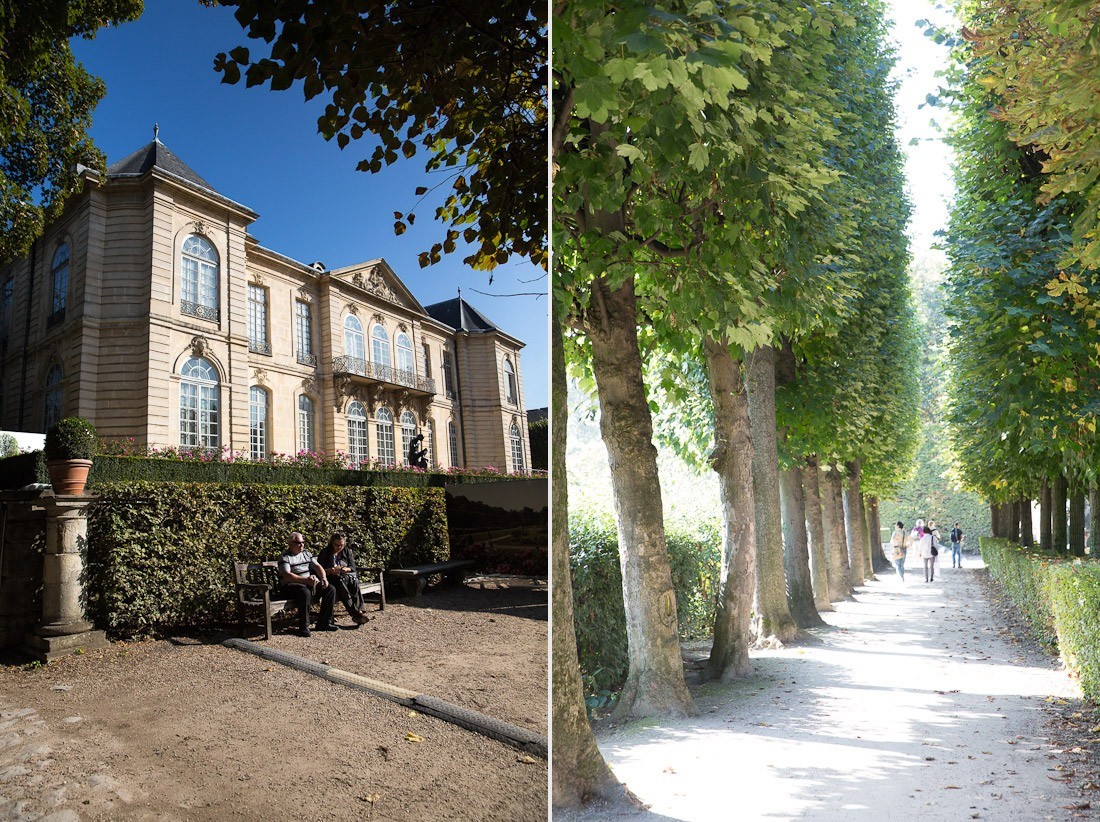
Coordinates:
<point>156,154</point>
<point>461,316</point>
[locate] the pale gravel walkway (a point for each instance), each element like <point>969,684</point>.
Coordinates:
<point>913,707</point>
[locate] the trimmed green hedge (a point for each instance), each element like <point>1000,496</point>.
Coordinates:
<point>1060,599</point>
<point>159,554</point>
<point>23,469</point>
<point>598,594</point>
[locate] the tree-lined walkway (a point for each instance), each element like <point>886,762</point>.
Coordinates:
<point>915,704</point>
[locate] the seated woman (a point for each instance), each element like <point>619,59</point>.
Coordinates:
<point>339,564</point>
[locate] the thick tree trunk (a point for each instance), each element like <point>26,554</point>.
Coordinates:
<point>732,460</point>
<point>1046,538</point>
<point>655,681</point>
<point>995,519</point>
<point>819,571</point>
<point>1058,494</point>
<point>1013,524</point>
<point>771,579</point>
<point>1027,527</point>
<point>1094,520</point>
<point>797,549</point>
<point>580,773</point>
<point>1077,522</point>
<point>857,547</point>
<point>880,563</point>
<point>836,542</point>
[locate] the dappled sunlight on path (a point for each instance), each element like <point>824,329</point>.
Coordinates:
<point>914,706</point>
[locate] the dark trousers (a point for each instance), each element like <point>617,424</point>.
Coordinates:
<point>347,591</point>
<point>302,596</point>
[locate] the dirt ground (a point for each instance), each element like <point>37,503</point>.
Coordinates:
<point>919,701</point>
<point>187,729</point>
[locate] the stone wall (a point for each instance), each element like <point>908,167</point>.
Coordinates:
<point>22,541</point>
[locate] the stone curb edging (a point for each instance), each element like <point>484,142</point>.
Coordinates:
<point>497,729</point>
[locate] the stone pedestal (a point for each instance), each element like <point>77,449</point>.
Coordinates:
<point>63,629</point>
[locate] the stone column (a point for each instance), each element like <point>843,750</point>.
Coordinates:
<point>63,629</point>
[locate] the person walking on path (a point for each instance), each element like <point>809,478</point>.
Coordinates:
<point>922,539</point>
<point>937,543</point>
<point>956,547</point>
<point>899,543</point>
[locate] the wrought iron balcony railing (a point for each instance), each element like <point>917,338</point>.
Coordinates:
<point>307,359</point>
<point>259,347</point>
<point>203,312</point>
<point>383,373</point>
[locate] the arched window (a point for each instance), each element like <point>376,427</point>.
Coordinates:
<point>306,422</point>
<point>452,442</point>
<point>257,424</point>
<point>357,432</point>
<point>52,412</point>
<point>429,442</point>
<point>59,278</point>
<point>199,404</point>
<point>380,346</point>
<point>353,338</point>
<point>199,294</point>
<point>517,449</point>
<point>405,356</point>
<point>511,387</point>
<point>408,431</point>
<point>384,427</point>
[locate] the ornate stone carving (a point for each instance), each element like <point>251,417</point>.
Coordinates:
<point>200,346</point>
<point>353,308</point>
<point>341,383</point>
<point>304,295</point>
<point>403,328</point>
<point>257,278</point>
<point>375,283</point>
<point>375,397</point>
<point>309,385</point>
<point>199,227</point>
<point>379,319</point>
<point>260,376</point>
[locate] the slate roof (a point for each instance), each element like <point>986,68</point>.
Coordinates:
<point>461,316</point>
<point>156,154</point>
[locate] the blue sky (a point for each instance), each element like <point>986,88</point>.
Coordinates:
<point>262,149</point>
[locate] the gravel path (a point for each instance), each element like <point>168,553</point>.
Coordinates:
<point>914,705</point>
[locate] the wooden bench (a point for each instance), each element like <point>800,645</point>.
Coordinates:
<point>256,582</point>
<point>415,579</point>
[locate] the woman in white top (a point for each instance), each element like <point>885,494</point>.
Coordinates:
<point>900,542</point>
<point>923,540</point>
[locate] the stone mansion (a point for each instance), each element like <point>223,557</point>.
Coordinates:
<point>148,309</point>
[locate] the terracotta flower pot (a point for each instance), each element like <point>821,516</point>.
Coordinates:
<point>68,477</point>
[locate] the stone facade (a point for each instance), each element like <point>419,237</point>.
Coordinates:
<point>148,309</point>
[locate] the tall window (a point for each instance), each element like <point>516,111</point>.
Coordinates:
<point>307,417</point>
<point>405,355</point>
<point>425,360</point>
<point>353,338</point>
<point>6,291</point>
<point>357,432</point>
<point>59,277</point>
<point>511,390</point>
<point>257,320</point>
<point>200,278</point>
<point>303,333</point>
<point>52,411</point>
<point>448,378</point>
<point>380,346</point>
<point>429,443</point>
<point>408,431</point>
<point>257,423</point>
<point>517,448</point>
<point>452,442</point>
<point>384,427</point>
<point>199,400</point>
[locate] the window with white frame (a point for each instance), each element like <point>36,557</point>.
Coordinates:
<point>425,360</point>
<point>257,424</point>
<point>384,434</point>
<point>307,419</point>
<point>357,432</point>
<point>452,442</point>
<point>429,443</point>
<point>408,431</point>
<point>199,404</point>
<point>380,346</point>
<point>353,338</point>
<point>303,332</point>
<point>405,361</point>
<point>52,410</point>
<point>517,448</point>
<point>448,377</point>
<point>511,389</point>
<point>199,267</point>
<point>257,320</point>
<point>59,279</point>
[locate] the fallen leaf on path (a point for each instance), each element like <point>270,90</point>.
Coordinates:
<point>414,737</point>
<point>413,713</point>
<point>526,759</point>
<point>371,797</point>
<point>951,788</point>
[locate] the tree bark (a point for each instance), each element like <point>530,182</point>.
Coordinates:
<point>1046,538</point>
<point>797,549</point>
<point>819,569</point>
<point>995,519</point>
<point>836,543</point>
<point>1094,520</point>
<point>1013,522</point>
<point>732,460</point>
<point>655,681</point>
<point>856,530</point>
<point>1027,528</point>
<point>1058,494</point>
<point>1077,522</point>
<point>771,580</point>
<point>879,561</point>
<point>580,772</point>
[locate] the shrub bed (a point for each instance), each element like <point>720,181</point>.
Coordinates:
<point>1059,596</point>
<point>159,554</point>
<point>695,560</point>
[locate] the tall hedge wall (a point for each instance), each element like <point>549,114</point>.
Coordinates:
<point>598,593</point>
<point>1059,597</point>
<point>159,554</point>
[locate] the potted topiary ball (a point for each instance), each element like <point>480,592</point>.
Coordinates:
<point>70,446</point>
